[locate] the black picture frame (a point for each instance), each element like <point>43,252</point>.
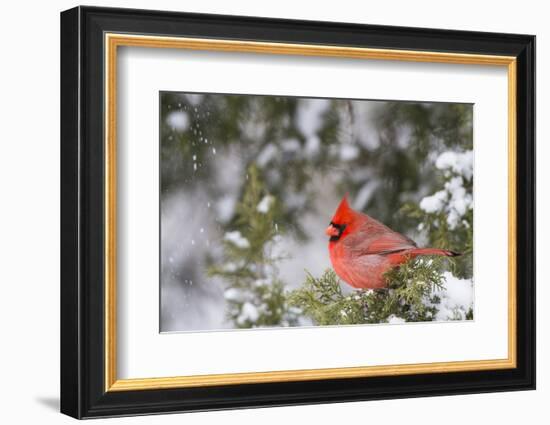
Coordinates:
<point>83,392</point>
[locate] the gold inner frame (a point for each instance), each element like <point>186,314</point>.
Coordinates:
<point>113,41</point>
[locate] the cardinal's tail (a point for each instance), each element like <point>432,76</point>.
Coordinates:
<point>433,251</point>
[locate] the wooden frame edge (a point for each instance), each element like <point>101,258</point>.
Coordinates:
<point>306,375</point>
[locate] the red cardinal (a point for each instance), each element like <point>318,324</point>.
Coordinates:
<point>362,249</point>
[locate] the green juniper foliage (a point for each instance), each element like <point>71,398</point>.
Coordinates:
<point>254,294</point>
<point>447,219</point>
<point>409,296</point>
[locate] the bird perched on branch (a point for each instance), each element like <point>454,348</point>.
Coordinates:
<point>362,249</point>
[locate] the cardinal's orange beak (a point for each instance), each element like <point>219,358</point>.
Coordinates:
<point>331,231</point>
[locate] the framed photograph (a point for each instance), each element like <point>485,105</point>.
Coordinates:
<point>261,212</point>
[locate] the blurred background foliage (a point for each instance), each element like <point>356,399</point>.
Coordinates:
<point>243,178</point>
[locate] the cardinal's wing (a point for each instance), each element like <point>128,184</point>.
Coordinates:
<point>381,243</point>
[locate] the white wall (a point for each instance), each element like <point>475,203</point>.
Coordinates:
<point>29,212</point>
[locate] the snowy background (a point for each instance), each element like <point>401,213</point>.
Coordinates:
<point>309,152</point>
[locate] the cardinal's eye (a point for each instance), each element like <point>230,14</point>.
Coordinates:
<point>340,227</point>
